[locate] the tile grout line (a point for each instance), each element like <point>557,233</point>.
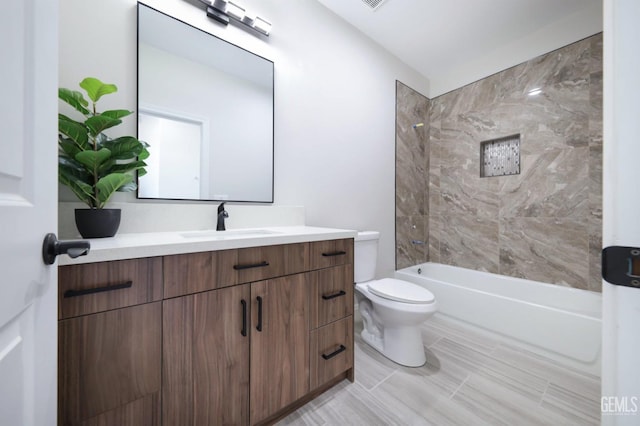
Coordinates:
<point>460,385</point>
<point>381,382</point>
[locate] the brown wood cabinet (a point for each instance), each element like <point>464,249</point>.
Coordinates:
<point>233,337</point>
<point>107,361</point>
<point>205,358</point>
<point>279,344</point>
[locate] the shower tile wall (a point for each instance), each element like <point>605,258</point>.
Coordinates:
<point>543,224</point>
<point>412,164</point>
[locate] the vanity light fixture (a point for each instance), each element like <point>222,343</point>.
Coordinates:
<point>222,10</point>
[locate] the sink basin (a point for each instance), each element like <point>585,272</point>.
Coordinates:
<point>222,235</point>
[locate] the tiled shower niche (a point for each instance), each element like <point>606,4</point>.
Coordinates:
<point>500,157</point>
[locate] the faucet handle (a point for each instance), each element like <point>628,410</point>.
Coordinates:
<point>221,209</point>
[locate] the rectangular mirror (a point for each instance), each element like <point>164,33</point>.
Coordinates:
<point>205,107</point>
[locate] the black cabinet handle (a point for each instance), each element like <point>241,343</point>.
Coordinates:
<point>334,253</point>
<point>254,265</point>
<point>76,293</point>
<point>259,326</point>
<point>334,295</point>
<point>244,317</point>
<point>342,348</point>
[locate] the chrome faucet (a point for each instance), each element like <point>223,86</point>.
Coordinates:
<point>222,214</point>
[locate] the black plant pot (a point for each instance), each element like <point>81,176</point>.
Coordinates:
<point>97,223</point>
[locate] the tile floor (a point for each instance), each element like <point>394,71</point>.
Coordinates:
<point>470,379</point>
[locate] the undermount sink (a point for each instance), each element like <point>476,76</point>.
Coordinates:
<point>221,235</point>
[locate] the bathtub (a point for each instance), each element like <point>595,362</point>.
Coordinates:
<point>558,322</point>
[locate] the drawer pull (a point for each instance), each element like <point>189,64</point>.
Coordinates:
<point>342,348</point>
<point>259,326</point>
<point>253,265</point>
<point>244,317</point>
<point>334,295</point>
<point>76,293</point>
<point>334,253</point>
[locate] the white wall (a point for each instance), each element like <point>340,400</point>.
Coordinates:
<point>557,34</point>
<point>334,101</point>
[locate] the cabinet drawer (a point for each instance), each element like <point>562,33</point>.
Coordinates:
<point>331,351</point>
<point>96,287</point>
<point>108,360</point>
<point>331,294</point>
<point>259,263</point>
<point>196,272</point>
<point>324,254</point>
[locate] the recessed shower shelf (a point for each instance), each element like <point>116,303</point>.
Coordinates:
<point>500,157</point>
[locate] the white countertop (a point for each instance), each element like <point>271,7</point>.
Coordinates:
<point>130,246</point>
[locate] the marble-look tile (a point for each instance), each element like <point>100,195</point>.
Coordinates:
<point>595,111</point>
<point>545,249</point>
<point>435,236</point>
<point>465,192</point>
<point>410,177</point>
<point>595,254</point>
<point>551,184</point>
<point>561,133</point>
<point>411,241</point>
<point>566,66</point>
<point>596,53</point>
<point>470,241</point>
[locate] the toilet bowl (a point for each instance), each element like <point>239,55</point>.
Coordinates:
<point>392,310</point>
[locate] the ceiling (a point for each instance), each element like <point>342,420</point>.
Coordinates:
<point>441,37</point>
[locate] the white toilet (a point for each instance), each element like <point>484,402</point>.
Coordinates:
<point>391,309</point>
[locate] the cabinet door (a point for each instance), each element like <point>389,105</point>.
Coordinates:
<point>205,361</point>
<point>109,367</point>
<point>279,344</point>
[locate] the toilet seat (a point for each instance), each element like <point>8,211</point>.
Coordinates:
<point>400,291</point>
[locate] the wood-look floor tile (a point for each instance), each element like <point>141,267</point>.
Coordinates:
<point>470,378</point>
<point>572,405</point>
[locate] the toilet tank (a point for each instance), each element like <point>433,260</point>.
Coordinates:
<point>365,255</point>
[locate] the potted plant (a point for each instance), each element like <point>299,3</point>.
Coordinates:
<point>92,164</point>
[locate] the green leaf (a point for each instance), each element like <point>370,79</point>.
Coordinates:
<point>127,167</point>
<point>75,99</point>
<point>92,159</point>
<point>116,113</point>
<point>98,123</point>
<point>141,172</point>
<point>109,184</point>
<point>69,147</point>
<point>96,89</point>
<point>124,148</point>
<point>75,131</point>
<point>144,154</point>
<point>82,190</point>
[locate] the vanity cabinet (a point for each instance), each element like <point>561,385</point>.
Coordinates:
<point>205,358</point>
<point>239,337</point>
<point>109,343</point>
<point>279,344</point>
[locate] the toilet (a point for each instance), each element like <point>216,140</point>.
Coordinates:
<point>392,310</point>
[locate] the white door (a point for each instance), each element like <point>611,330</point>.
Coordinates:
<point>621,209</point>
<point>28,211</point>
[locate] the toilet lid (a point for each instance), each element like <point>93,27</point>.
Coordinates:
<point>401,291</point>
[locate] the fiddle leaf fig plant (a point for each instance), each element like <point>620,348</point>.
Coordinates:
<point>90,163</point>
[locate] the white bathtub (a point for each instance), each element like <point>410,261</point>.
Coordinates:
<point>558,322</point>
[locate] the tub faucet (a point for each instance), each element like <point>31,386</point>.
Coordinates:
<point>222,214</point>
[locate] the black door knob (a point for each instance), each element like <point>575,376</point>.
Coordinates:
<point>52,247</point>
